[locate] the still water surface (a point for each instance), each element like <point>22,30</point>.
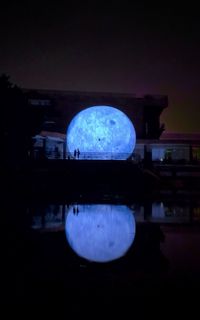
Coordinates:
<point>79,251</point>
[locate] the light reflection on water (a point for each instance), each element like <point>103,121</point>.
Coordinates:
<point>100,233</point>
<point>105,232</point>
<point>160,260</point>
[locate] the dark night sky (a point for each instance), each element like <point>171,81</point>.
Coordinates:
<point>110,47</point>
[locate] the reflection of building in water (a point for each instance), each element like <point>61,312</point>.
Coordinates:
<point>170,212</point>
<point>138,210</point>
<point>196,212</point>
<point>53,216</point>
<point>158,210</point>
<point>164,212</point>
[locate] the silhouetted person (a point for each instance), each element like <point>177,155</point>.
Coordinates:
<point>78,153</point>
<point>75,152</point>
<point>75,210</point>
<point>57,153</point>
<point>41,154</point>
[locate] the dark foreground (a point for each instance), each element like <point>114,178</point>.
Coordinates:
<point>162,267</point>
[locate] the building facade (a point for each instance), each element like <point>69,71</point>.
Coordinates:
<point>144,112</point>
<point>62,106</point>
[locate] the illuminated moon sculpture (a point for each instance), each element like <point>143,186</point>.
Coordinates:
<point>100,233</point>
<point>101,132</point>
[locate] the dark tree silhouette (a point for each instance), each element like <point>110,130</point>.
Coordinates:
<point>19,122</point>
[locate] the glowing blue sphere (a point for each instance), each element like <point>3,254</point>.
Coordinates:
<point>100,233</point>
<point>101,132</point>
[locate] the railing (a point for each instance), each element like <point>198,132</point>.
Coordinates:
<point>103,156</point>
<point>51,154</point>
